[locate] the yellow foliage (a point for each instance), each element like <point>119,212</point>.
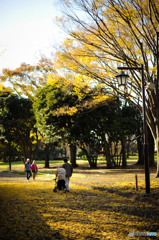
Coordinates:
<point>1,86</point>
<point>54,79</point>
<point>65,111</point>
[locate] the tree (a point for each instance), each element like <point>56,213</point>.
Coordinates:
<point>63,117</point>
<point>54,128</point>
<point>112,35</point>
<point>127,123</point>
<point>25,81</point>
<point>56,108</point>
<point>96,129</point>
<point>18,123</point>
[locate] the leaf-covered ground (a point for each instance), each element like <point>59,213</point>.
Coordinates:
<point>31,210</point>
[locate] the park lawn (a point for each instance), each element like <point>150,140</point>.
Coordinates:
<point>30,210</point>
<point>19,166</point>
<point>117,179</point>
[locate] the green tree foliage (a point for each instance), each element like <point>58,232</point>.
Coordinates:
<point>96,127</point>
<point>18,122</point>
<point>26,79</point>
<point>103,126</point>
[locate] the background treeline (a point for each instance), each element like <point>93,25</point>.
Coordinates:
<point>58,122</point>
<point>75,100</point>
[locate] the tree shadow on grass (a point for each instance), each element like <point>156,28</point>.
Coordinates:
<point>86,169</point>
<point>145,211</point>
<point>25,217</point>
<point>5,174</point>
<point>21,220</point>
<point>121,210</point>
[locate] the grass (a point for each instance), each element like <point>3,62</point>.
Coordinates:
<point>41,163</point>
<point>117,179</point>
<point>30,210</point>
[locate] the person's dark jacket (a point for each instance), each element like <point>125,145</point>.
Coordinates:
<point>69,169</point>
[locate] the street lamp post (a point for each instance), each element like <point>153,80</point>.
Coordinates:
<point>124,77</point>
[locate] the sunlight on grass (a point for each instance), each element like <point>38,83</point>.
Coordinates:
<point>18,165</point>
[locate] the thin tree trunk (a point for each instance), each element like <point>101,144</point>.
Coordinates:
<point>151,148</point>
<point>46,155</point>
<point>124,163</point>
<point>128,147</point>
<point>37,146</point>
<point>157,145</point>
<point>65,152</point>
<point>107,153</point>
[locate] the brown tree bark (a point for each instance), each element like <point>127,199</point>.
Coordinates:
<point>124,163</point>
<point>73,155</point>
<point>46,155</point>
<point>151,148</point>
<point>140,151</point>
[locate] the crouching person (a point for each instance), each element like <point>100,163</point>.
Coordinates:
<point>60,174</point>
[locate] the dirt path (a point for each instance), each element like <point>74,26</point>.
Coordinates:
<point>10,177</point>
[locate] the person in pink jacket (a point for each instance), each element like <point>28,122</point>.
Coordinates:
<point>34,169</point>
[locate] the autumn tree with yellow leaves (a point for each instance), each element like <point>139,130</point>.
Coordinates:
<point>105,34</point>
<point>26,79</point>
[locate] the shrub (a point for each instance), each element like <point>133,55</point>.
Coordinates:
<point>80,153</point>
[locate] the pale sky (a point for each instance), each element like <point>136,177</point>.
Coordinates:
<point>26,29</point>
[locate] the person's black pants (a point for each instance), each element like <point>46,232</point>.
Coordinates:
<point>28,174</point>
<point>61,184</point>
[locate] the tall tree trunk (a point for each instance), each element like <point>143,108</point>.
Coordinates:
<point>108,155</point>
<point>73,155</point>
<point>37,146</point>
<point>157,107</point>
<point>140,151</point>
<point>65,152</point>
<point>9,152</point>
<point>46,155</point>
<point>157,145</point>
<point>124,163</point>
<point>151,148</point>
<point>128,147</point>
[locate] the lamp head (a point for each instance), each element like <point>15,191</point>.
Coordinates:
<point>122,78</point>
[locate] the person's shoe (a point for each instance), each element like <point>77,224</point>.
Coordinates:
<point>65,190</point>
